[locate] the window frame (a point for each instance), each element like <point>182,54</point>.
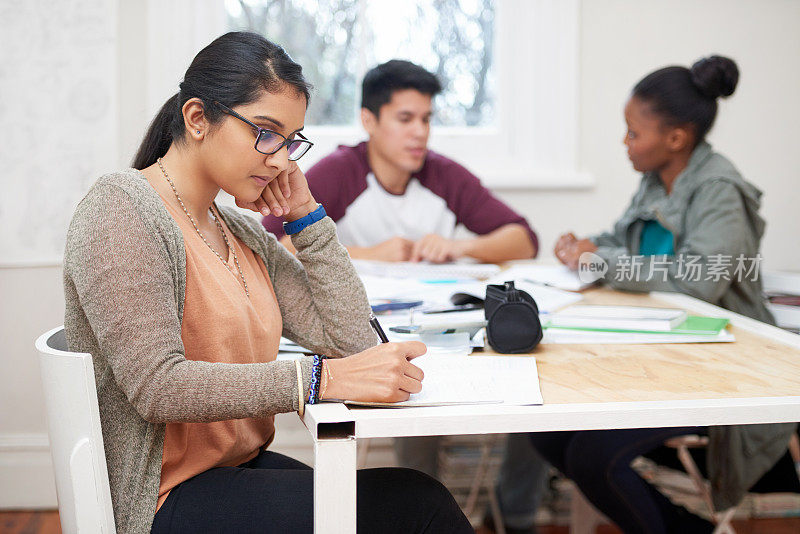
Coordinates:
<point>534,141</point>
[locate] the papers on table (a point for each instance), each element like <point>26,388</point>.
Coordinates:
<point>422,270</point>
<point>558,276</point>
<point>430,291</point>
<point>438,293</point>
<point>476,379</point>
<point>470,321</point>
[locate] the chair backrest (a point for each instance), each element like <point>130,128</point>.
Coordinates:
<point>76,439</point>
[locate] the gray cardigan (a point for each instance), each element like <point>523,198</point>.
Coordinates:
<point>710,210</point>
<point>124,283</point>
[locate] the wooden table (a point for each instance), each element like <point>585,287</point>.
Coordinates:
<point>756,379</point>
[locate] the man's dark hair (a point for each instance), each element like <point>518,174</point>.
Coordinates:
<point>382,81</point>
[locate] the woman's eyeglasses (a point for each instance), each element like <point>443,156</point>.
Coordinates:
<point>269,142</point>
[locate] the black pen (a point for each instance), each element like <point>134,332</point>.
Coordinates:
<point>373,322</point>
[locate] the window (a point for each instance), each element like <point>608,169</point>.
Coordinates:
<point>338,41</point>
<point>509,110</point>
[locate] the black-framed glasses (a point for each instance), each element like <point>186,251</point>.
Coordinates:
<point>269,142</point>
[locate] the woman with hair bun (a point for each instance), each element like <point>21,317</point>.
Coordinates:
<point>692,207</point>
<point>693,226</point>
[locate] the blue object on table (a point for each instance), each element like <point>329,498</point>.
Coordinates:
<point>394,305</point>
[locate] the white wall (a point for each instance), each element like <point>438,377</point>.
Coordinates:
<point>621,41</point>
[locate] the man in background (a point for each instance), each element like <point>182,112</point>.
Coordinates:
<point>395,200</point>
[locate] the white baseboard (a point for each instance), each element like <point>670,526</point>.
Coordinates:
<point>26,473</point>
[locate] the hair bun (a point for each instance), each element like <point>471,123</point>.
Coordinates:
<point>715,76</point>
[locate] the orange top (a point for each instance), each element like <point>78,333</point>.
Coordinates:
<point>220,324</point>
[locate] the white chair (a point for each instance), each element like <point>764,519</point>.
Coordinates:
<point>76,440</point>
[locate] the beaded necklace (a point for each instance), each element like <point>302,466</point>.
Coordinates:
<point>219,225</point>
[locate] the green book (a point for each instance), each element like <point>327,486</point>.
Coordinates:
<point>693,325</point>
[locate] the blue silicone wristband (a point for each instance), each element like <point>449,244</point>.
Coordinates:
<point>295,226</point>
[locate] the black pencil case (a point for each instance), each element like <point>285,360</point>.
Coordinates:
<point>512,318</point>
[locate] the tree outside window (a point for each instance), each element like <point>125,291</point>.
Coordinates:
<point>337,41</point>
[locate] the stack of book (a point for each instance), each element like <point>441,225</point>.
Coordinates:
<point>632,324</point>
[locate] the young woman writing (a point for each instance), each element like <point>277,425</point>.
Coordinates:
<point>182,304</point>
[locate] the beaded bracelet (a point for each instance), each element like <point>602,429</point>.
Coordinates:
<point>316,378</point>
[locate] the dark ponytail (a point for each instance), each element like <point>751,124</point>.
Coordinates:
<point>158,138</point>
<point>232,70</point>
<point>682,96</point>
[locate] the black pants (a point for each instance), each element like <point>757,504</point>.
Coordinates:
<point>599,462</point>
<point>274,493</point>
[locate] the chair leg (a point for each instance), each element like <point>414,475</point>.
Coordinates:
<point>721,519</point>
<point>480,474</point>
<point>482,480</point>
<point>497,515</point>
<point>794,450</point>
<point>697,479</point>
<point>583,517</point>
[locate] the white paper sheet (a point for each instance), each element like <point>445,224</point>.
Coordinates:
<point>558,276</point>
<point>548,299</point>
<point>432,292</point>
<point>475,379</point>
<point>445,320</point>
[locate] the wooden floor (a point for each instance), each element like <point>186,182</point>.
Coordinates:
<point>29,523</point>
<point>47,523</point>
<point>751,526</point>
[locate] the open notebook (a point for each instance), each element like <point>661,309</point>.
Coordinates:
<point>474,379</point>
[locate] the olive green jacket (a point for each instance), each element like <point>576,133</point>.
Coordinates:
<point>712,213</point>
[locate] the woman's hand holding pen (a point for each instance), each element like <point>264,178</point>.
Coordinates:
<point>383,373</point>
<point>286,196</point>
